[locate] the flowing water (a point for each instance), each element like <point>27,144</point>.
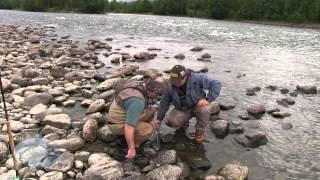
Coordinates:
<point>267,55</point>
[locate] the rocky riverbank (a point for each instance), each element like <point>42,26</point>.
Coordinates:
<point>46,74</point>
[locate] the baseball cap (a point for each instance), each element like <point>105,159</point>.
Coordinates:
<point>178,72</point>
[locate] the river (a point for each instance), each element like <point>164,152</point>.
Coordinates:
<point>267,55</point>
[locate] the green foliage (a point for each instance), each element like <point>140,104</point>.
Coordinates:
<point>274,10</point>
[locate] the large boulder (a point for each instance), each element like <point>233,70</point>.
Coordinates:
<point>168,172</point>
<point>234,171</point>
<point>38,98</point>
<point>90,129</point>
<point>71,144</point>
<point>61,121</point>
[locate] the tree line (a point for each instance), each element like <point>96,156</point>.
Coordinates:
<point>274,10</point>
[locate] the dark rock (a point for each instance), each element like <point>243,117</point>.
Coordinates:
<point>236,130</point>
<point>142,56</point>
<point>280,114</point>
<point>206,56</point>
<point>57,71</point>
<point>105,134</point>
<point>272,87</point>
<point>180,56</point>
<point>196,49</point>
<point>282,103</point>
<point>270,111</point>
<point>294,94</point>
<point>75,76</point>
<point>29,72</point>
<point>107,95</point>
<point>256,110</point>
<point>250,92</point>
<point>244,117</point>
<point>307,89</point>
<point>202,164</point>
<point>288,100</point>
<point>284,91</point>
<point>286,125</point>
<point>255,139</point>
<point>226,105</point>
<point>220,128</point>
<point>204,70</point>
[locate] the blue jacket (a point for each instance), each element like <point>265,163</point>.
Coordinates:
<point>196,86</point>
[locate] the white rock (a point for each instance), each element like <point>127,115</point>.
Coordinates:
<point>39,108</point>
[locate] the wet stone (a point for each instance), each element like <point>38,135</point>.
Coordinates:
<point>244,117</point>
<point>280,114</point>
<point>197,49</point>
<point>307,89</point>
<point>202,164</point>
<point>256,110</point>
<point>284,91</point>
<point>289,101</point>
<point>63,163</point>
<point>286,125</point>
<point>270,111</point>
<point>166,157</point>
<point>220,128</point>
<point>180,56</point>
<point>272,87</point>
<point>234,171</point>
<point>226,105</point>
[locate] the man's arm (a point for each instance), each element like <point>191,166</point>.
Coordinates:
<point>213,85</point>
<point>134,107</point>
<point>164,105</point>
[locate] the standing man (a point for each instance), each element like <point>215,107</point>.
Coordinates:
<point>188,96</point>
<point>131,114</point>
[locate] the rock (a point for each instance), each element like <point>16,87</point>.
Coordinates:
<point>86,93</point>
<point>3,151</point>
<point>220,128</point>
<point>39,108</point>
<point>236,130</point>
<point>105,134</point>
<point>270,111</point>
<point>69,103</point>
<point>54,175</point>
<point>250,92</point>
<point>107,95</point>
<point>71,144</point>
<point>307,89</point>
<point>5,84</point>
<point>204,70</point>
<point>280,114</point>
<point>168,172</point>
<point>16,126</point>
<point>71,174</point>
<point>58,71</point>
<point>200,163</point>
<point>244,117</point>
<point>252,139</point>
<point>82,156</point>
<point>286,125</point>
<point>226,105</point>
<point>272,87</point>
<point>234,171</point>
<point>52,136</point>
<point>75,52</point>
<point>165,157</point>
<point>96,106</point>
<point>61,121</point>
<point>63,163</point>
<point>294,94</point>
<point>38,98</point>
<point>78,164</point>
<point>40,81</point>
<point>115,58</point>
<point>90,129</point>
<point>110,170</point>
<point>214,178</point>
<point>86,102</point>
<point>289,101</point>
<point>27,171</point>
<point>18,99</point>
<point>180,56</point>
<point>107,84</point>
<point>206,56</point>
<point>196,49</point>
<point>49,129</point>
<point>284,91</point>
<point>30,72</point>
<point>126,70</point>
<point>40,173</point>
<point>75,76</point>
<point>144,56</point>
<point>256,110</point>
<point>9,175</point>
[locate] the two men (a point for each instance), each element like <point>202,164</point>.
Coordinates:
<point>131,115</point>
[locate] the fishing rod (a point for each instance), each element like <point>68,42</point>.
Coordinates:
<point>9,132</point>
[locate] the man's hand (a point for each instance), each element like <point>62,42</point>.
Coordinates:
<point>131,153</point>
<point>156,123</point>
<point>202,102</point>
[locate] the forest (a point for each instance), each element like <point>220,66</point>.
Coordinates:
<point>299,11</point>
